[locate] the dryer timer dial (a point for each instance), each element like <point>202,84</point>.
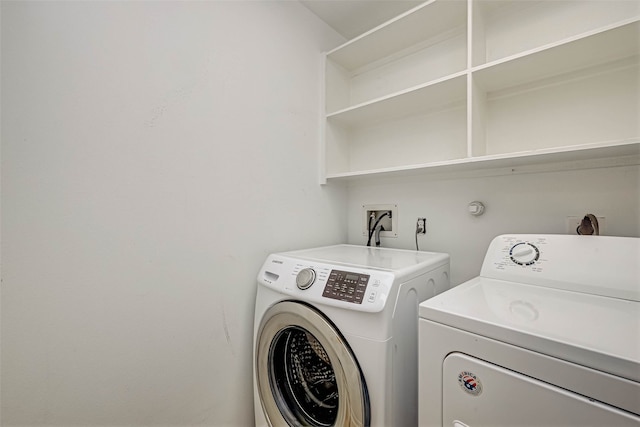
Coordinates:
<point>305,278</point>
<point>524,253</point>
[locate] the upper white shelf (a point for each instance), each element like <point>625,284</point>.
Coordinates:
<point>420,24</point>
<point>605,45</point>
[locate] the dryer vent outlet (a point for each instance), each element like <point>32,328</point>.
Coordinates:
<point>572,223</point>
<point>387,216</point>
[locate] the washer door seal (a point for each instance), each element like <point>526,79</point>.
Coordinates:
<point>305,371</point>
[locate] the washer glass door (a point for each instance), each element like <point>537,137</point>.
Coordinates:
<point>306,373</point>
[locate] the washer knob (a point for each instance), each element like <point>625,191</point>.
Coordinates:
<point>305,278</point>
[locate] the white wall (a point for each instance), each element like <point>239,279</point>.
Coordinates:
<point>153,153</point>
<point>515,203</point>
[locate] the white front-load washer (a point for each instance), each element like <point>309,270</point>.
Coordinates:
<point>335,335</point>
<point>547,335</point>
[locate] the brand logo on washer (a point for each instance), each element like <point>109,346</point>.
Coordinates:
<point>470,383</point>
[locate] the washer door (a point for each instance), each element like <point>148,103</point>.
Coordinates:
<point>305,371</point>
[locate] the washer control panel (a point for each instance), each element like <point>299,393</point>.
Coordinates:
<point>346,286</point>
<point>343,286</point>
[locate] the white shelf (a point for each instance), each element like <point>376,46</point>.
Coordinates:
<point>504,28</point>
<point>436,91</point>
<point>588,50</point>
<point>433,96</point>
<point>422,45</point>
<point>565,158</point>
<point>418,25</point>
<point>593,105</point>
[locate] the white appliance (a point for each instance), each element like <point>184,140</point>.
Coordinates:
<point>547,335</point>
<point>335,335</point>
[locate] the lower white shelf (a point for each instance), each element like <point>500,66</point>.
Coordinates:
<point>620,153</point>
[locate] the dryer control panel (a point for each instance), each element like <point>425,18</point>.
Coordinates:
<point>335,285</point>
<point>600,265</point>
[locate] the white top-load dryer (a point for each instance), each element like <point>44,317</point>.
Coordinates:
<point>335,335</point>
<point>547,335</point>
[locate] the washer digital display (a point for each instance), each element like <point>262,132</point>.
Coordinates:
<point>346,286</point>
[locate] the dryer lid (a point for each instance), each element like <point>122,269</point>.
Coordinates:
<point>591,330</point>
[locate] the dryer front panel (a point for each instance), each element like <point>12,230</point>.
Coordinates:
<point>477,393</point>
<point>306,374</point>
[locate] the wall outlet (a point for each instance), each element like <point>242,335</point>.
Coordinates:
<point>573,222</point>
<point>390,224</point>
<point>421,226</point>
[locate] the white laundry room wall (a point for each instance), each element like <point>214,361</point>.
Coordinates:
<point>514,202</point>
<point>153,153</point>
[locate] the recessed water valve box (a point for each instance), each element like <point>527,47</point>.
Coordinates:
<point>382,215</point>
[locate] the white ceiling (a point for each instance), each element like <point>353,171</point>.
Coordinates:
<point>354,17</point>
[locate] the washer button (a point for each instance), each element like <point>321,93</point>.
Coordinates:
<point>372,296</point>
